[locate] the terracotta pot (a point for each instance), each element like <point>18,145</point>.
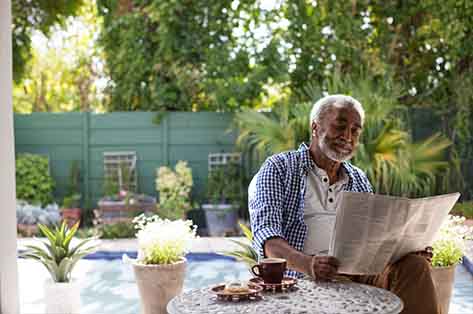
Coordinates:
<point>158,284</point>
<point>71,215</point>
<point>443,279</point>
<point>62,297</point>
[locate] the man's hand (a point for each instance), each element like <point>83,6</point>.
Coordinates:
<point>323,267</point>
<point>427,253</point>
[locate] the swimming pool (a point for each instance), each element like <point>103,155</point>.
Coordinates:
<point>108,285</point>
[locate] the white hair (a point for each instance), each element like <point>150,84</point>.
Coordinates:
<point>338,101</point>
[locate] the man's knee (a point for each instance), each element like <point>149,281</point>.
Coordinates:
<point>414,264</point>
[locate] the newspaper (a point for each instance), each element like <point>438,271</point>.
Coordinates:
<point>372,231</point>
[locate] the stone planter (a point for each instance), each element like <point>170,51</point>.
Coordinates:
<point>62,297</point>
<point>221,219</point>
<point>443,279</point>
<point>158,284</point>
<point>27,230</point>
<point>113,211</point>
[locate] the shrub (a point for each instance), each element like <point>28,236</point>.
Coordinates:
<point>464,209</point>
<point>119,230</point>
<point>33,181</point>
<point>174,189</point>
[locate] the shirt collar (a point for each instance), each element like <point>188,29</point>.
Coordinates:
<point>309,164</point>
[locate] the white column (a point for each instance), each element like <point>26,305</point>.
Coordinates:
<point>8,265</point>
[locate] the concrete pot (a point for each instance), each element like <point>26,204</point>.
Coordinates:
<point>443,279</point>
<point>221,219</point>
<point>62,297</point>
<point>158,284</point>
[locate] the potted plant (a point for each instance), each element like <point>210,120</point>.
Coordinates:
<point>160,266</point>
<point>224,193</point>
<point>59,257</point>
<point>246,253</point>
<point>29,216</point>
<point>119,203</point>
<point>70,210</point>
<point>174,189</point>
<point>448,249</point>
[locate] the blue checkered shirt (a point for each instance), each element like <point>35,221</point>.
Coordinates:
<point>277,206</point>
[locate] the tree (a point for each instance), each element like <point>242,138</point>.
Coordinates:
<point>64,69</point>
<point>185,55</point>
<point>31,15</point>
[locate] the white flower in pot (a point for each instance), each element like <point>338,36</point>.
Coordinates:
<point>161,264</point>
<point>59,257</point>
<point>448,250</point>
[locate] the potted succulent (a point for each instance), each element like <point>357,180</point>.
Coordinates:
<point>448,249</point>
<point>224,193</point>
<point>160,266</point>
<point>70,210</point>
<point>29,216</point>
<point>59,257</point>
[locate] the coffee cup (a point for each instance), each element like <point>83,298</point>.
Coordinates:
<point>271,270</point>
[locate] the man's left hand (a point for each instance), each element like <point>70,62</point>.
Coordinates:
<point>427,253</point>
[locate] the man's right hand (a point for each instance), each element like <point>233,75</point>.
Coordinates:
<point>323,267</point>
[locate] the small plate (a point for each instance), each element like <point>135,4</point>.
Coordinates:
<point>252,294</point>
<point>286,284</point>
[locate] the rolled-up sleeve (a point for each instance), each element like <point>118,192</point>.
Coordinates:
<point>266,206</point>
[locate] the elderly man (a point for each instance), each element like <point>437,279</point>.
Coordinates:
<point>294,197</point>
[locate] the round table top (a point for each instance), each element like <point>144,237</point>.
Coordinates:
<point>309,297</point>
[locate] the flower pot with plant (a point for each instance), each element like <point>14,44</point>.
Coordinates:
<point>70,210</point>
<point>224,193</point>
<point>59,257</point>
<point>448,249</point>
<point>160,266</point>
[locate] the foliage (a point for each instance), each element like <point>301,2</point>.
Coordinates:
<point>174,189</point>
<point>73,197</point>
<point>224,184</point>
<point>163,241</point>
<point>71,201</point>
<point>33,180</point>
<point>57,254</point>
<point>119,230</point>
<point>282,129</point>
<point>67,55</point>
<point>393,162</point>
<point>464,209</point>
<point>449,247</point>
<point>28,214</point>
<point>247,253</point>
<point>200,58</point>
<point>29,16</point>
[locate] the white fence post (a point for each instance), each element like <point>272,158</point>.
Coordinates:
<point>8,265</point>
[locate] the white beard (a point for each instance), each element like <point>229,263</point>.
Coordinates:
<point>331,154</point>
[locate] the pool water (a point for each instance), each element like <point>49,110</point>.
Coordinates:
<point>108,285</point>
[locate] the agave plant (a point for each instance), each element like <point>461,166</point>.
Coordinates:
<point>56,254</point>
<point>246,253</point>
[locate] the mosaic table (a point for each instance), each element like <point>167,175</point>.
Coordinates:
<point>308,297</point>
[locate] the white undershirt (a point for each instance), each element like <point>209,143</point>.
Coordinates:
<point>320,204</point>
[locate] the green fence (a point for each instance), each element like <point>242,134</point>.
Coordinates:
<point>85,137</point>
